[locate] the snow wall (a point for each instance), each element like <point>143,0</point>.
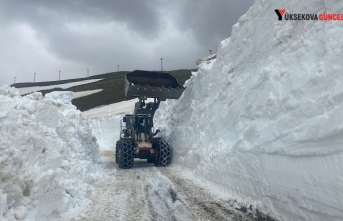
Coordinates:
<point>263,123</point>
<point>47,156</point>
<point>107,131</point>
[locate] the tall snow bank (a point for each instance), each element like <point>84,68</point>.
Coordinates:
<point>263,123</point>
<point>47,155</point>
<point>107,130</point>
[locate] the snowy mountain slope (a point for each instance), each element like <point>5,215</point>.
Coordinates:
<point>263,123</point>
<point>26,90</point>
<point>47,155</point>
<point>123,107</point>
<point>85,93</point>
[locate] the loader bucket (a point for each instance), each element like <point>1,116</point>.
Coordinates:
<point>152,84</point>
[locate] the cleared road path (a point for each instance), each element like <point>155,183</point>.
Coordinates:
<point>149,193</point>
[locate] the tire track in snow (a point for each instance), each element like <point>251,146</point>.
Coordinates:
<point>161,198</point>
<point>111,198</point>
<point>201,204</point>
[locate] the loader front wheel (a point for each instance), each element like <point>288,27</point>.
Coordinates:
<point>163,156</point>
<point>125,154</point>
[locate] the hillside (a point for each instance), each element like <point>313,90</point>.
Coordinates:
<point>111,83</point>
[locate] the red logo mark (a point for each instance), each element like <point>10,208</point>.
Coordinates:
<point>282,11</point>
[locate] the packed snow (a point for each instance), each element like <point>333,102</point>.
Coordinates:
<point>107,131</point>
<point>26,90</point>
<point>105,121</point>
<point>48,156</point>
<point>263,123</point>
<point>123,107</point>
<point>85,93</point>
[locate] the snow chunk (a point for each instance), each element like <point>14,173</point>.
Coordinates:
<point>60,97</point>
<point>20,212</point>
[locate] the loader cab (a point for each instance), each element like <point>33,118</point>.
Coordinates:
<point>143,123</point>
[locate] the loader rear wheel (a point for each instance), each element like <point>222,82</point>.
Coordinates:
<point>117,152</point>
<point>163,157</point>
<point>125,154</point>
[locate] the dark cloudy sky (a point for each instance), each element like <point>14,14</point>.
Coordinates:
<point>71,36</point>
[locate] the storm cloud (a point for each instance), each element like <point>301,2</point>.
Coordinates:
<point>71,36</point>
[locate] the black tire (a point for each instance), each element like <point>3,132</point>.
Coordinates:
<point>163,156</point>
<point>117,152</point>
<point>125,154</point>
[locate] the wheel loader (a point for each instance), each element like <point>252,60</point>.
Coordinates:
<point>137,136</point>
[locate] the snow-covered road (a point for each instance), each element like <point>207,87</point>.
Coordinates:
<point>146,192</point>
